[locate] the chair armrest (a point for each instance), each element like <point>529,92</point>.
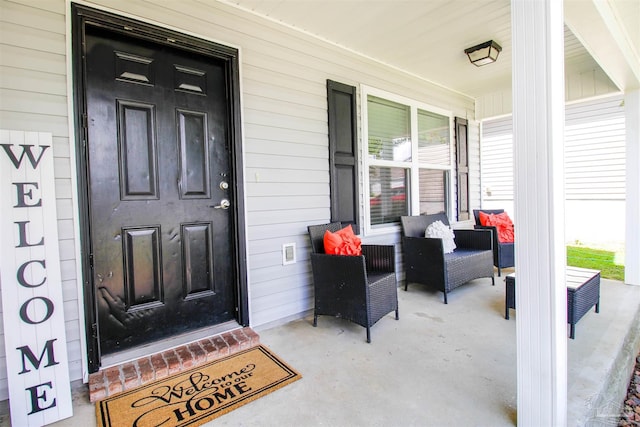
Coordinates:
<point>329,270</point>
<point>494,233</point>
<point>485,227</point>
<point>339,283</point>
<point>380,258</point>
<point>423,257</point>
<point>421,250</point>
<point>474,239</point>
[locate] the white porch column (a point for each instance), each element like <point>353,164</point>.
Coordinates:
<point>632,237</point>
<point>538,131</point>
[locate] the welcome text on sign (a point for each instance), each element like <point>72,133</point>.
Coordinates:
<point>37,365</point>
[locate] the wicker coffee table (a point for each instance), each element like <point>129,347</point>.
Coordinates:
<point>583,292</point>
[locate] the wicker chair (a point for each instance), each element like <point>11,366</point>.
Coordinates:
<point>362,289</point>
<point>426,263</point>
<point>503,253</point>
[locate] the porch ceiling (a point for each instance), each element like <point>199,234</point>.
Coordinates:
<point>427,38</point>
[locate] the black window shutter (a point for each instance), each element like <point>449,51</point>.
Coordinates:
<point>343,154</point>
<point>462,167</point>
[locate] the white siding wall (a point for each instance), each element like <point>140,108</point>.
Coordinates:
<point>497,164</point>
<point>594,169</point>
<point>284,112</point>
<point>33,97</point>
<point>595,172</point>
<point>578,85</point>
<point>595,150</point>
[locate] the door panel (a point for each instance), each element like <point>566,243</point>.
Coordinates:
<point>194,163</point>
<point>158,150</point>
<point>142,266</point>
<point>137,151</point>
<point>197,259</point>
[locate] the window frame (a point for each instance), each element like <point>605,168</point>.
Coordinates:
<point>414,165</point>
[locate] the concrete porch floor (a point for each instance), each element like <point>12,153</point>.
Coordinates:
<point>439,365</point>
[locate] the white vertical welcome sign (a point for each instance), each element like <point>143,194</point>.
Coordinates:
<point>33,315</point>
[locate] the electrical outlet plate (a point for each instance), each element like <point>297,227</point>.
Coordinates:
<point>288,253</point>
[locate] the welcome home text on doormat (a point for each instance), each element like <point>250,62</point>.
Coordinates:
<point>199,395</point>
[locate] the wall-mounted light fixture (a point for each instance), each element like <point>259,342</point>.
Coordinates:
<point>484,53</point>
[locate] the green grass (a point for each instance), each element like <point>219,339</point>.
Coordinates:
<point>597,259</point>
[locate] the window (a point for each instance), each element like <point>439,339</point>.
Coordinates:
<point>408,158</point>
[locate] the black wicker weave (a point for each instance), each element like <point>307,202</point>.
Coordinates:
<point>510,294</point>
<point>583,292</point>
<point>362,289</point>
<point>426,263</point>
<point>503,253</point>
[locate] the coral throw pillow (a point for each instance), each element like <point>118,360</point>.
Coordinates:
<point>502,223</point>
<point>342,242</point>
<point>484,218</point>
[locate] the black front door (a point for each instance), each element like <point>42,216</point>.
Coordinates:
<point>159,189</point>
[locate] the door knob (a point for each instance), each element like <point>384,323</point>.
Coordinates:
<point>224,204</point>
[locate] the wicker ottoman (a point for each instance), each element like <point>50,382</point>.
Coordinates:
<point>583,292</point>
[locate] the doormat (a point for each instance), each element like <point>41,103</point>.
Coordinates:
<point>199,395</point>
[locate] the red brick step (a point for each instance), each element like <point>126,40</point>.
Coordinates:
<point>127,376</point>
